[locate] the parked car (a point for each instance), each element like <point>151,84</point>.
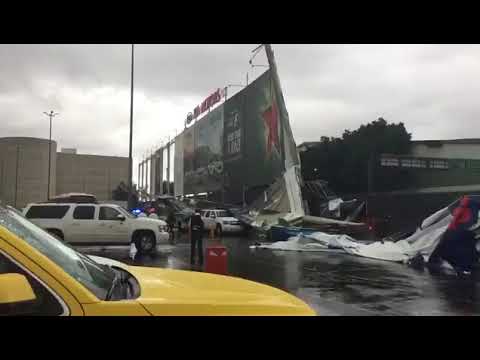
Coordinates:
<point>41,275</point>
<point>222,221</point>
<point>97,224</point>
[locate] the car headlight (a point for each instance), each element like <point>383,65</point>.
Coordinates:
<point>162,228</point>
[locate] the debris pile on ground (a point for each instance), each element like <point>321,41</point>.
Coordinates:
<point>280,211</point>
<point>313,242</point>
<point>447,235</point>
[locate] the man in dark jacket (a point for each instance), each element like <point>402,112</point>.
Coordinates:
<point>196,228</point>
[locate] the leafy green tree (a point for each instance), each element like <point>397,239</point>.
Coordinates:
<point>344,162</point>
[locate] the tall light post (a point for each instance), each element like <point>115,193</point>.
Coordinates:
<point>130,162</point>
<point>51,115</point>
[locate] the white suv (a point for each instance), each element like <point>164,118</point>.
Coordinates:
<point>221,221</point>
<point>97,224</point>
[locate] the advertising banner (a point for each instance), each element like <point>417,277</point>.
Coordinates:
<point>241,147</point>
<point>189,160</point>
<point>178,165</point>
<point>233,148</point>
<point>208,152</point>
<point>252,141</point>
<point>263,149</point>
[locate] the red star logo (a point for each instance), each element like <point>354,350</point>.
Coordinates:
<point>270,116</point>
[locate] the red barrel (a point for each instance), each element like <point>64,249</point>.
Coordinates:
<point>216,259</point>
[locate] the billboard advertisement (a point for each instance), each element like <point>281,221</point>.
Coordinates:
<point>178,165</point>
<point>240,147</point>
<point>189,160</point>
<point>263,149</point>
<point>209,152</point>
<point>252,140</point>
<point>234,148</point>
<point>203,154</point>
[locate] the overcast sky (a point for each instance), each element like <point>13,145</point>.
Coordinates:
<point>433,89</point>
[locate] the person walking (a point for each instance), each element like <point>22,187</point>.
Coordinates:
<point>196,228</point>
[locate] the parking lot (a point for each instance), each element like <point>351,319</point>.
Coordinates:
<point>332,283</point>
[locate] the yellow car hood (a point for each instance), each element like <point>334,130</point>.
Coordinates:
<point>176,292</point>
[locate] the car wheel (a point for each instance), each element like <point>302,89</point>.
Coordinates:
<point>145,242</point>
<point>218,230</point>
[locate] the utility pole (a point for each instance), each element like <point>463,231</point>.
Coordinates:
<point>130,161</point>
<point>16,175</point>
<point>51,115</point>
<point>138,178</point>
<point>168,166</point>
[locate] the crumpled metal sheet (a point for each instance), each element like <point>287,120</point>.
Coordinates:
<point>282,200</point>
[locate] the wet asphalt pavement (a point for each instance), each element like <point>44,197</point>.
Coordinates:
<point>333,283</point>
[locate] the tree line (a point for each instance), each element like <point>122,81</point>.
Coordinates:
<point>348,163</point>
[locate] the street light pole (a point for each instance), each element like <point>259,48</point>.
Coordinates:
<point>130,162</point>
<point>51,114</point>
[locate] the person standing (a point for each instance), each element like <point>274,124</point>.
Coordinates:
<point>196,228</point>
<point>171,225</point>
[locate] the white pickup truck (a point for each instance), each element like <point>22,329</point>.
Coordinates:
<point>97,224</point>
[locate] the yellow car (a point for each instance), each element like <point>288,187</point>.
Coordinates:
<point>40,275</point>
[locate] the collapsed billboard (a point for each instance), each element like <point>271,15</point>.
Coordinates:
<point>241,147</point>
<point>252,146</point>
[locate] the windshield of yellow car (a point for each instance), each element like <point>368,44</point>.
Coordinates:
<point>95,277</point>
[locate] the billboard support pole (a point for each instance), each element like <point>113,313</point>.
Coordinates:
<point>286,130</point>
<point>168,166</point>
<point>130,159</point>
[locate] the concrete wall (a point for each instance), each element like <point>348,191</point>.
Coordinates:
<point>447,151</point>
<point>93,174</point>
<point>24,170</point>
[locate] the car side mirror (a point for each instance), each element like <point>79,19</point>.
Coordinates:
<point>16,294</point>
<point>120,217</point>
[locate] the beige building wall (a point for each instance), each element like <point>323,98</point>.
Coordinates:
<point>93,174</point>
<point>447,151</point>
<point>24,170</point>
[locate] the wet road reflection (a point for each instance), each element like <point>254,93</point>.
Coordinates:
<point>332,283</point>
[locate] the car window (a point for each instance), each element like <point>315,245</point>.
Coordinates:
<point>47,212</point>
<point>206,214</point>
<point>108,213</point>
<point>45,303</point>
<point>223,213</point>
<point>86,271</point>
<point>125,212</point>
<point>84,212</point>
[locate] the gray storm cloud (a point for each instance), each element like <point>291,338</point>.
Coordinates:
<point>328,88</point>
